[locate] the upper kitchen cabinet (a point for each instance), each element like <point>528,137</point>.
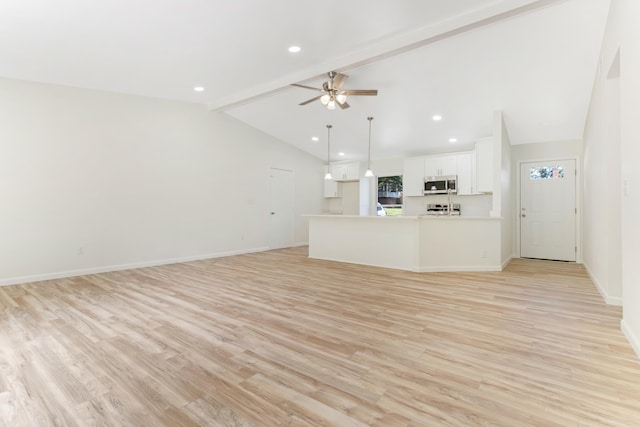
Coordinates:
<point>441,165</point>
<point>346,171</point>
<point>413,176</point>
<point>331,188</point>
<point>465,173</point>
<point>484,165</point>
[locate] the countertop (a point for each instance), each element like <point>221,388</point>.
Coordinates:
<point>407,217</point>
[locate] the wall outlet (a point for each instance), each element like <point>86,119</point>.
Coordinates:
<point>81,250</point>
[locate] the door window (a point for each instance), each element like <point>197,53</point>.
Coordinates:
<point>547,172</point>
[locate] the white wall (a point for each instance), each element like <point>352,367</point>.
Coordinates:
<point>602,185</point>
<point>613,115</point>
<point>549,150</point>
<point>507,194</point>
<point>386,167</point>
<point>630,152</point>
<point>95,181</point>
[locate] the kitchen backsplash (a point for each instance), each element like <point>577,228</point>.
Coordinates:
<point>479,205</point>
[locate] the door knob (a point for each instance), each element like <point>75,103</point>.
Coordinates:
<point>524,215</point>
<point>273,213</point>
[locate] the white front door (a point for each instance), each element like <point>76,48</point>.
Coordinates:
<point>281,213</point>
<point>548,210</point>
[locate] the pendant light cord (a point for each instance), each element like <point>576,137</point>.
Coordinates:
<point>328,143</point>
<point>369,158</point>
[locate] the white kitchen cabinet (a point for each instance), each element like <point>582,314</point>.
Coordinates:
<point>465,177</point>
<point>413,176</point>
<point>332,188</point>
<point>484,165</point>
<point>346,171</point>
<point>441,165</point>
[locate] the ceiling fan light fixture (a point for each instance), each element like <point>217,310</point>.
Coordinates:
<point>332,93</point>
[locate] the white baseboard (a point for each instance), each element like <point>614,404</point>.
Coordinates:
<point>417,269</point>
<point>368,264</point>
<point>605,296</point>
<point>457,268</point>
<point>634,340</point>
<point>297,245</point>
<point>119,267</point>
<point>507,261</point>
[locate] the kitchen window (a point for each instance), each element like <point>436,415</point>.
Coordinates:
<point>390,194</point>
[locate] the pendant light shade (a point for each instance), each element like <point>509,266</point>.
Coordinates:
<point>328,174</point>
<point>369,172</point>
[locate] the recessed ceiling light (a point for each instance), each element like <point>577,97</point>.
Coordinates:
<point>315,139</point>
<point>437,117</point>
<point>341,154</point>
<point>198,89</point>
<point>453,140</point>
<point>294,49</point>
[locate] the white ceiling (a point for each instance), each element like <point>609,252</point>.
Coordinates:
<point>533,59</point>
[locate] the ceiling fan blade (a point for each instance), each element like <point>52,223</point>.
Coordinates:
<point>363,92</point>
<point>306,87</point>
<point>309,101</point>
<point>343,105</point>
<point>339,80</point>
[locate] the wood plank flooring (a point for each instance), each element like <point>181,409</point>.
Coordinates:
<point>277,339</point>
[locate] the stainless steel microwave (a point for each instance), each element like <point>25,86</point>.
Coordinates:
<point>441,184</point>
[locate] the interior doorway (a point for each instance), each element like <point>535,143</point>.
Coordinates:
<point>548,210</point>
<point>281,208</point>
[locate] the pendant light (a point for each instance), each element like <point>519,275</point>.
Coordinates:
<point>328,175</point>
<point>369,172</point>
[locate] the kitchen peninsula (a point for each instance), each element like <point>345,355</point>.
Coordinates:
<point>414,243</point>
<point>480,239</point>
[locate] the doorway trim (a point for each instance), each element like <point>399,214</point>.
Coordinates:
<point>271,231</point>
<point>578,190</point>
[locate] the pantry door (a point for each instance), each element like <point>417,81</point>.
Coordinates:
<point>548,210</point>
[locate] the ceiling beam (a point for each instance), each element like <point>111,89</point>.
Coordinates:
<point>391,46</point>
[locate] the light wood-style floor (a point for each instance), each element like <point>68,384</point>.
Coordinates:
<point>275,338</point>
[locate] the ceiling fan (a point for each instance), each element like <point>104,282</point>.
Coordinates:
<point>332,93</point>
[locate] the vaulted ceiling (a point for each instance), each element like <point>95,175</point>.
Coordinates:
<point>535,60</point>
